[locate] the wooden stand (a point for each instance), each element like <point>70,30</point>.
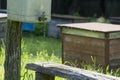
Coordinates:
<point>42,76</point>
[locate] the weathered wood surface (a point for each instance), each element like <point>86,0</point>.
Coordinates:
<point>92,26</point>
<point>65,71</point>
<point>69,17</point>
<point>77,48</point>
<point>80,41</point>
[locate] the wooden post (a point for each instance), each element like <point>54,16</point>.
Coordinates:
<point>41,76</point>
<point>12,63</point>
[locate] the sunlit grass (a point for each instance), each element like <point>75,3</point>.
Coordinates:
<point>40,49</point>
<point>35,49</point>
<point>42,56</point>
<point>33,44</point>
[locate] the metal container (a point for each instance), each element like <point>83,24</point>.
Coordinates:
<point>29,10</point>
<point>81,41</point>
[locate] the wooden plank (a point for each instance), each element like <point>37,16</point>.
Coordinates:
<point>65,71</point>
<point>92,26</point>
<point>85,33</point>
<point>114,35</point>
<point>69,17</point>
<point>114,58</point>
<point>107,49</point>
<point>82,44</point>
<point>92,34</point>
<point>77,48</point>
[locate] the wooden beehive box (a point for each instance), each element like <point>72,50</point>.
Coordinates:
<point>80,41</point>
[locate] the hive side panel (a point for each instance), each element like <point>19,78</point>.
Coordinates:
<point>115,52</point>
<point>78,48</point>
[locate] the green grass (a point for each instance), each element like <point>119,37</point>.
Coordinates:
<point>39,49</point>
<point>1,63</point>
<point>43,49</point>
<point>42,56</point>
<point>35,49</point>
<point>33,44</point>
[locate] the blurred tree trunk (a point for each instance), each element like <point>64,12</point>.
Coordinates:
<point>87,8</point>
<point>113,8</point>
<point>3,4</point>
<point>58,6</point>
<point>102,7</point>
<point>61,6</point>
<point>74,8</point>
<point>12,63</point>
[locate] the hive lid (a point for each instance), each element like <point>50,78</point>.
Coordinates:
<point>92,26</point>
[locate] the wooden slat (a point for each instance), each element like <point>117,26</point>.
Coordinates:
<point>92,26</point>
<point>65,71</point>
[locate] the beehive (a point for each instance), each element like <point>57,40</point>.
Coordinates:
<point>80,41</point>
<point>29,10</point>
